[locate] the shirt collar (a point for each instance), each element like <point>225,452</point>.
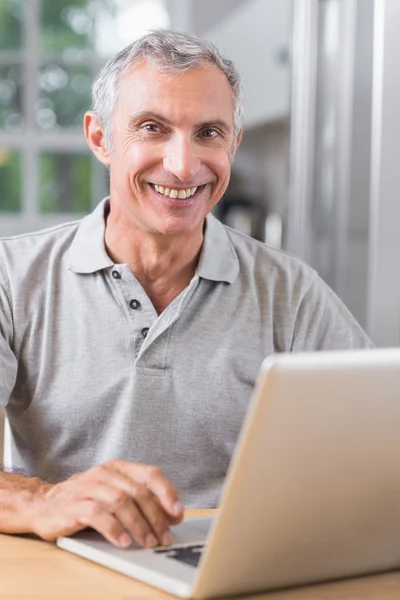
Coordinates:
<point>88,253</point>
<point>218,259</point>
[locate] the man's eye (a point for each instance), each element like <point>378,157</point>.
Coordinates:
<point>209,133</point>
<point>151,127</point>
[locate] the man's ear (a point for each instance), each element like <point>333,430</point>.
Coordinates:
<point>239,138</point>
<point>236,144</point>
<point>95,137</point>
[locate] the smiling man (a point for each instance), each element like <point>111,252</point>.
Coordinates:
<point>171,151</point>
<point>130,341</point>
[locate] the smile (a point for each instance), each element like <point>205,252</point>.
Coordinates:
<point>174,193</point>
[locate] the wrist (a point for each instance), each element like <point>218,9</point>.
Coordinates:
<point>19,502</point>
<point>33,502</point>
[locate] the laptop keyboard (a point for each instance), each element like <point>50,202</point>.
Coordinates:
<point>189,555</point>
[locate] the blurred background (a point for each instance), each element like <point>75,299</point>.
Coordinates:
<point>316,173</point>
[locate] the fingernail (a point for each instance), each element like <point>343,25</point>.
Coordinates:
<point>167,538</point>
<point>124,540</point>
<point>177,508</point>
<point>151,541</point>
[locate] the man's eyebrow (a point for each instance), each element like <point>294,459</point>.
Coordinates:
<point>149,114</point>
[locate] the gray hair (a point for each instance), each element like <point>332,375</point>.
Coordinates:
<point>170,52</point>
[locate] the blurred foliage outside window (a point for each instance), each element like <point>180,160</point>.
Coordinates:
<point>11,83</point>
<point>10,180</point>
<point>63,91</point>
<point>64,183</point>
<point>104,26</point>
<point>64,95</point>
<point>67,24</point>
<point>67,28</point>
<point>10,24</point>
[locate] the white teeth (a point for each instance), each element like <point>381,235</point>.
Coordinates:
<point>171,193</point>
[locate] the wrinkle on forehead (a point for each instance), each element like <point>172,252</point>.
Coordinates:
<point>203,91</point>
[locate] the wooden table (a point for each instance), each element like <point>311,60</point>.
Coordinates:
<point>34,569</point>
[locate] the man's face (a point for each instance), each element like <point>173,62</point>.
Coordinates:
<point>172,136</point>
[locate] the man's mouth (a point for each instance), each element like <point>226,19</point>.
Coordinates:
<point>175,193</point>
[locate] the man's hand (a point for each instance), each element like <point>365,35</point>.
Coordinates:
<point>123,501</point>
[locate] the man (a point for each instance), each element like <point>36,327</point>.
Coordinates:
<point>134,337</point>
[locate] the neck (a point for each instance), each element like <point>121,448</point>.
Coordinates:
<point>164,265</point>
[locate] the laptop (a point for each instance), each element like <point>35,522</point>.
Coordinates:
<point>312,493</point>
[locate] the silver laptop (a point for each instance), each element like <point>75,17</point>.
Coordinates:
<point>312,492</point>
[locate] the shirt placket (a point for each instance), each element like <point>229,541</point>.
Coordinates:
<point>146,326</point>
<point>138,307</point>
<point>171,313</point>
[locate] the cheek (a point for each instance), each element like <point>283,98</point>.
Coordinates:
<point>129,164</point>
<point>222,166</point>
<point>133,158</point>
<point>134,154</point>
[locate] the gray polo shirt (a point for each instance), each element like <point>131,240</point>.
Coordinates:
<point>90,372</point>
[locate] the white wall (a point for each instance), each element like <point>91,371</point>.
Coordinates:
<point>206,14</point>
<point>255,36</point>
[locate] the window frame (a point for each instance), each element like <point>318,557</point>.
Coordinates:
<point>31,141</point>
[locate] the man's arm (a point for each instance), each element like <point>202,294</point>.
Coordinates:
<point>121,500</point>
<point>17,494</point>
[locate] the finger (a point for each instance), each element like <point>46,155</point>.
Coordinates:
<point>136,523</point>
<point>136,509</point>
<point>156,482</point>
<point>166,493</point>
<point>92,514</point>
<point>154,514</point>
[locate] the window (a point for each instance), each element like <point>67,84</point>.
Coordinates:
<point>50,50</point>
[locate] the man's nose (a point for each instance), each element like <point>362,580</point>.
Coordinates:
<point>182,159</point>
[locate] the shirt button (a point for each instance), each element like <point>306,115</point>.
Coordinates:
<point>134,304</point>
<point>145,331</point>
<point>116,275</point>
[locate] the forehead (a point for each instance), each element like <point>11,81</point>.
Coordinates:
<point>204,92</point>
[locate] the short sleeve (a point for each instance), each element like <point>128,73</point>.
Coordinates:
<point>324,323</point>
<point>8,361</point>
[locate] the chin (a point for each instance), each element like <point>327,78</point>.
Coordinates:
<point>179,227</point>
